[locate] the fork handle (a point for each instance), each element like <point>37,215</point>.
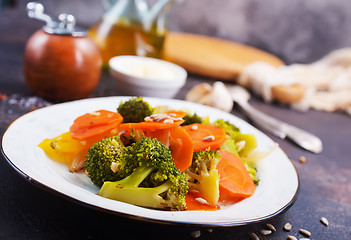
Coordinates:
<point>280,129</point>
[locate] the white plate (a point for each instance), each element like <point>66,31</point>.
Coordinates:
<point>276,191</point>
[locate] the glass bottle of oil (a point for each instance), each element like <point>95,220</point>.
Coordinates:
<point>131,27</point>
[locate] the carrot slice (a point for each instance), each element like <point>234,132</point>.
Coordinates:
<point>150,125</point>
<point>77,162</point>
<point>194,205</point>
<point>206,136</point>
<point>179,143</point>
<point>182,148</point>
<point>176,113</point>
<point>94,124</point>
<point>97,118</point>
<point>235,181</point>
<point>162,135</point>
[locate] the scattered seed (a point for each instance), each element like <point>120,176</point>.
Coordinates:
<point>54,145</point>
<point>159,116</point>
<point>202,200</point>
<point>162,117</point>
<point>324,221</point>
<point>148,119</point>
<point>195,234</point>
<point>114,167</point>
<point>114,131</point>
<point>302,159</point>
<point>287,227</point>
<point>114,143</point>
<point>305,232</point>
<point>292,237</point>
<point>168,120</point>
<point>194,127</point>
<point>271,227</point>
<point>304,239</point>
<point>209,138</point>
<point>265,232</point>
<point>210,230</point>
<point>240,145</point>
<point>121,133</point>
<point>253,236</point>
<point>95,113</point>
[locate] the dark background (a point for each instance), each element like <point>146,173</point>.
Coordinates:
<point>297,31</point>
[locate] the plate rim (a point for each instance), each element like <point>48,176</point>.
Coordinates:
<point>143,218</point>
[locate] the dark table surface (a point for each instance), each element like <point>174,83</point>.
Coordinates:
<point>28,212</point>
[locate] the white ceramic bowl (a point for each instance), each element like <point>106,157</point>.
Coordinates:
<point>144,76</point>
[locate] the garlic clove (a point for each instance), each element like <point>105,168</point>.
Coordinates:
<point>216,96</point>
<point>198,92</point>
<point>221,97</point>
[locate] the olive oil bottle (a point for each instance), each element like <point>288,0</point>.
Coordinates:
<point>132,27</point>
<point>126,39</point>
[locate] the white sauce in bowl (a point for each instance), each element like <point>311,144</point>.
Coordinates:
<point>151,70</point>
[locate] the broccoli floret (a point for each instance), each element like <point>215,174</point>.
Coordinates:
<point>191,119</point>
<point>104,158</point>
<point>234,134</point>
<point>203,175</point>
<point>155,182</point>
<point>134,110</point>
<point>234,137</point>
<point>251,169</point>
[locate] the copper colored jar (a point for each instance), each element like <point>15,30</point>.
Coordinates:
<point>60,61</point>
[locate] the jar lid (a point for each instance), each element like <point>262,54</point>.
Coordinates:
<point>65,26</point>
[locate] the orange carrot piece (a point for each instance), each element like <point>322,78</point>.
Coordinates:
<point>182,148</point>
<point>179,143</point>
<point>77,162</point>
<point>97,118</point>
<point>162,135</point>
<point>235,182</point>
<point>195,205</point>
<point>177,113</point>
<point>150,125</point>
<point>206,136</point>
<point>94,124</point>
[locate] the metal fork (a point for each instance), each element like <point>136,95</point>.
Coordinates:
<point>301,137</point>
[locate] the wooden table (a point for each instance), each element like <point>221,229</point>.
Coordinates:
<point>27,212</point>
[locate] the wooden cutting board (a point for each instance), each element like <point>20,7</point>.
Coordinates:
<point>213,57</point>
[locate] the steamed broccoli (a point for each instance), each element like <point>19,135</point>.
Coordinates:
<point>234,137</point>
<point>103,158</point>
<point>134,110</point>
<point>203,176</point>
<point>155,181</point>
<point>191,119</point>
<point>251,169</point>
